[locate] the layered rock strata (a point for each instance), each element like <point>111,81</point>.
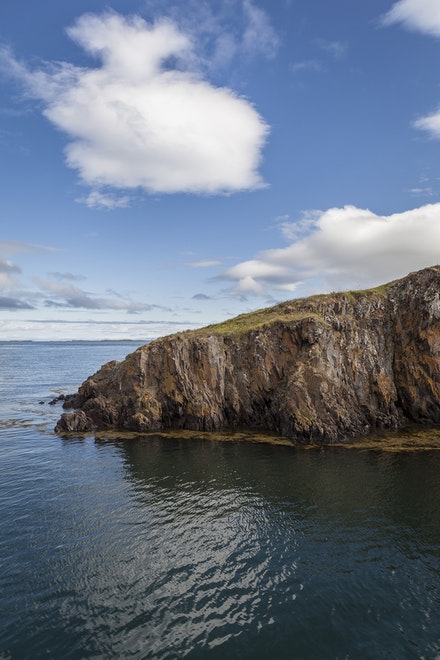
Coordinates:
<point>323,368</point>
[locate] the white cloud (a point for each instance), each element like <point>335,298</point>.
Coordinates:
<point>98,200</point>
<point>205,263</point>
<point>10,271</point>
<point>430,123</point>
<point>69,277</point>
<point>59,292</point>
<point>294,230</point>
<point>336,48</point>
<point>248,284</point>
<point>306,65</point>
<point>345,248</point>
<point>13,304</point>
<point>9,248</point>
<point>224,31</point>
<point>64,295</point>
<point>201,296</point>
<point>259,33</point>
<point>422,192</point>
<point>140,119</point>
<point>420,15</point>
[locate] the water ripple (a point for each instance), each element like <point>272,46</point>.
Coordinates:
<point>169,549</point>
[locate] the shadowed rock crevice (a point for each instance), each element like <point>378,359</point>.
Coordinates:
<point>323,368</point>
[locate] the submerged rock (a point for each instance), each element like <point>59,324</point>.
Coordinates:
<point>57,399</point>
<point>326,367</point>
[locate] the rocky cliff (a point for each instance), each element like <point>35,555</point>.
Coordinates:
<point>326,367</point>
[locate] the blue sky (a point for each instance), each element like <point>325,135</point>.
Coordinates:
<point>169,164</point>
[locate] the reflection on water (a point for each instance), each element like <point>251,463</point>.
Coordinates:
<point>273,544</point>
<point>175,547</point>
<point>167,548</point>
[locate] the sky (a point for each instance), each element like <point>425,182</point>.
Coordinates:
<point>169,164</point>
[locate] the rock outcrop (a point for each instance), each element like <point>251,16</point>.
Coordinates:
<point>322,368</point>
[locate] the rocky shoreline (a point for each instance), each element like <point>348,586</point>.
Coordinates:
<point>325,368</point>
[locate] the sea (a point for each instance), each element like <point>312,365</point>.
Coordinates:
<point>206,547</point>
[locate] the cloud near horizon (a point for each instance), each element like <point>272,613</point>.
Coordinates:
<point>56,291</point>
<point>344,248</point>
<point>68,296</point>
<point>11,298</point>
<point>13,304</point>
<point>144,119</point>
<point>18,329</point>
<point>205,263</point>
<point>7,272</point>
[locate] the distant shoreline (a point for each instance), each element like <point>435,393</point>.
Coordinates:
<point>75,341</point>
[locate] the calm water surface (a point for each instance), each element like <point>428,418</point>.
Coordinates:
<point>172,548</point>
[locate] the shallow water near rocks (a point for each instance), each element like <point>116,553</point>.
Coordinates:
<point>182,546</point>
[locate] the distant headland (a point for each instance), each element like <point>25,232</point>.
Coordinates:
<point>325,368</point>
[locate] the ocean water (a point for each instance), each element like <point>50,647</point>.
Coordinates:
<point>154,547</point>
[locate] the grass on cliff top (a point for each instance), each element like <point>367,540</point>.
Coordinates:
<point>255,320</point>
<point>379,290</point>
<point>290,311</point>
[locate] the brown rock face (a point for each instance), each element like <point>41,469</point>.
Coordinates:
<point>326,367</point>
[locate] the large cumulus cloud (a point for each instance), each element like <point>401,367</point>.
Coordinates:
<point>143,118</point>
<point>344,248</point>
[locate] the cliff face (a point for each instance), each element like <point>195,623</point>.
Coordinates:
<point>326,367</point>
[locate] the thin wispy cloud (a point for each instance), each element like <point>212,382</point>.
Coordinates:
<point>336,49</point>
<point>13,304</point>
<point>10,248</point>
<point>306,65</point>
<point>259,34</point>
<point>8,271</point>
<point>143,118</point>
<point>69,296</point>
<point>205,263</point>
<point>201,296</point>
<point>222,32</point>
<point>422,192</point>
<point>344,247</point>
<point>98,200</point>
<point>67,277</point>
<point>57,291</point>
